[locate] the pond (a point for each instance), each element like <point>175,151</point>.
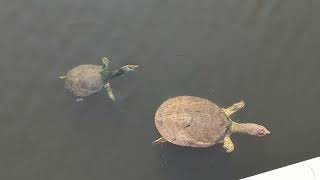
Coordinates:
<point>264,52</point>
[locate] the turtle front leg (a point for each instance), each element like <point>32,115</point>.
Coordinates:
<point>105,62</point>
<point>109,91</point>
<point>159,141</point>
<point>228,144</point>
<point>234,108</point>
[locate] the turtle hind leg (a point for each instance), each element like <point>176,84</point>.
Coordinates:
<point>234,108</point>
<point>228,144</point>
<point>159,141</point>
<point>62,77</point>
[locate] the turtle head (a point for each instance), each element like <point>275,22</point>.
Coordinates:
<point>123,70</point>
<point>129,68</point>
<point>249,128</point>
<point>257,130</point>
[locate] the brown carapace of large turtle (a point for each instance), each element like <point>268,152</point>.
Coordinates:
<point>197,122</point>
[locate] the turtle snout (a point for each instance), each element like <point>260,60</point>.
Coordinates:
<point>130,67</point>
<point>262,131</point>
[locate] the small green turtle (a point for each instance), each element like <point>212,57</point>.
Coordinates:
<point>197,122</point>
<point>87,79</point>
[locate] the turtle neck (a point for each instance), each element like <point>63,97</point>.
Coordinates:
<point>117,72</point>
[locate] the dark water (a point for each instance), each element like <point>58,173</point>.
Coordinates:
<point>263,51</point>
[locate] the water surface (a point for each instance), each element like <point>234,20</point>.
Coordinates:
<point>265,52</point>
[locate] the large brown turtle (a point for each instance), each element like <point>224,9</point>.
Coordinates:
<point>87,79</point>
<point>197,122</point>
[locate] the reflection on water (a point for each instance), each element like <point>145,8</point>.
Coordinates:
<point>265,52</point>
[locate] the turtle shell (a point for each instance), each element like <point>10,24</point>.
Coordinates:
<point>84,80</point>
<point>192,121</point>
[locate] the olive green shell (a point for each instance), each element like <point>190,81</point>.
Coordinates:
<point>84,80</point>
<point>192,121</point>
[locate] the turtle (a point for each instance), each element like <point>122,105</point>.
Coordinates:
<point>197,122</point>
<point>87,79</point>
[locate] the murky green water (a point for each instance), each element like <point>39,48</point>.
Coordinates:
<point>263,51</point>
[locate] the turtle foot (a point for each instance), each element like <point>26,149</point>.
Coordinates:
<point>228,144</point>
<point>79,99</point>
<point>234,108</point>
<point>159,141</point>
<point>62,77</point>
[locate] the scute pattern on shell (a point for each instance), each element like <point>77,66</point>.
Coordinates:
<point>191,121</point>
<point>84,80</point>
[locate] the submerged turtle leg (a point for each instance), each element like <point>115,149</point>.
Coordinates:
<point>79,99</point>
<point>228,144</point>
<point>234,108</point>
<point>109,91</point>
<point>159,141</point>
<point>62,77</point>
